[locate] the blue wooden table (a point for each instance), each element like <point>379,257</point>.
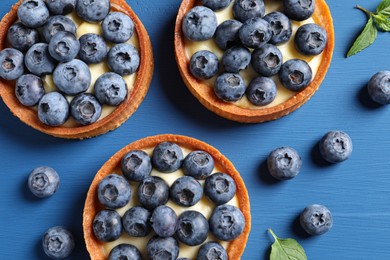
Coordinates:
<point>357,191</point>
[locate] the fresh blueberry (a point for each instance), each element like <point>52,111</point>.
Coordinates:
<point>204,64</point>
<point>29,89</point>
<point>159,248</point>
<point>227,222</point>
<point>117,27</point>
<point>61,7</point>
<point>198,164</point>
<point>336,146</point>
<point>220,188</point>
<point>192,228</point>
<point>136,222</point>
<point>43,181</point>
<point>136,165</point>
<point>255,32</point>
<point>72,77</point>
<point>107,225</point>
<point>123,59</point>
<point>53,109</point>
<point>58,23</point>
<point>216,5</point>
<point>229,87</point>
<point>164,221</point>
<point>267,60</point>
<point>295,74</point>
<point>211,251</point>
<point>199,24</point>
<point>85,109</point>
<point>226,35</point>
<point>58,242</point>
<point>93,48</point>
<point>38,60</point>
<point>246,9</point>
<point>299,10</point>
<point>316,219</point>
<point>284,163</point>
<point>261,91</point>
<point>64,46</point>
<point>379,87</point>
<point>153,192</point>
<point>236,58</point>
<point>33,13</point>
<point>22,38</point>
<point>125,252</point>
<point>12,64</point>
<point>281,27</point>
<point>167,157</point>
<point>310,39</point>
<point>114,191</point>
<point>186,191</point>
<point>111,89</point>
<point>93,10</point>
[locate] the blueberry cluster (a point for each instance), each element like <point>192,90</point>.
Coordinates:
<point>44,42</point>
<point>151,212</point>
<point>252,39</point>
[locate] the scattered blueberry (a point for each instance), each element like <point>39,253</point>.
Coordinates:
<point>236,58</point>
<point>216,5</point>
<point>61,7</point>
<point>53,109</point>
<point>316,219</point>
<point>93,48</point>
<point>261,91</point>
<point>226,35</point>
<point>64,46</point>
<point>310,39</point>
<point>379,87</point>
<point>21,37</point>
<point>186,191</point>
<point>136,165</point>
<point>267,60</point>
<point>136,222</point>
<point>58,23</point>
<point>198,164</point>
<point>117,27</point>
<point>11,64</point>
<point>111,89</point>
<point>33,13</point>
<point>284,163</point>
<point>212,250</point>
<point>281,27</point>
<point>43,181</point>
<point>192,228</point>
<point>29,89</point>
<point>153,192</point>
<point>107,225</point>
<point>229,87</point>
<point>299,10</point>
<point>246,9</point>
<point>220,188</point>
<point>164,221</point>
<point>58,242</point>
<point>85,109</point>
<point>336,146</point>
<point>123,59</point>
<point>227,222</point>
<point>125,252</point>
<point>114,191</point>
<point>199,24</point>
<point>38,60</point>
<point>255,32</point>
<point>72,77</point>
<point>295,74</point>
<point>167,157</point>
<point>93,10</point>
<point>204,64</point>
<point>159,248</point>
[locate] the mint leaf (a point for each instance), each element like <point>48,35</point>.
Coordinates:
<point>365,39</point>
<point>384,8</point>
<point>382,22</point>
<point>286,249</point>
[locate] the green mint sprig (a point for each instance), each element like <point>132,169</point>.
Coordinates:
<point>286,249</point>
<point>378,19</point>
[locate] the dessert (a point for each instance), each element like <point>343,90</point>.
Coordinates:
<point>64,123</point>
<point>160,213</point>
<point>236,22</point>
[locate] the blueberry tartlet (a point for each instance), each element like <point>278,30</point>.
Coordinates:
<point>167,197</point>
<point>74,69</point>
<point>253,60</point>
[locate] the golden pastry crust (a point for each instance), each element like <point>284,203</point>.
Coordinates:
<point>205,94</point>
<point>92,205</point>
<point>112,121</point>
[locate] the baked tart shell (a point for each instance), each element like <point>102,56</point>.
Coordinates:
<point>205,94</point>
<point>117,117</point>
<point>92,206</point>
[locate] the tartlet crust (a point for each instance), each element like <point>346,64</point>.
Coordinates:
<point>205,94</point>
<point>92,205</point>
<point>110,122</point>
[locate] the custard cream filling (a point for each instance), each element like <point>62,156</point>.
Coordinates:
<point>288,50</point>
<point>204,206</point>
